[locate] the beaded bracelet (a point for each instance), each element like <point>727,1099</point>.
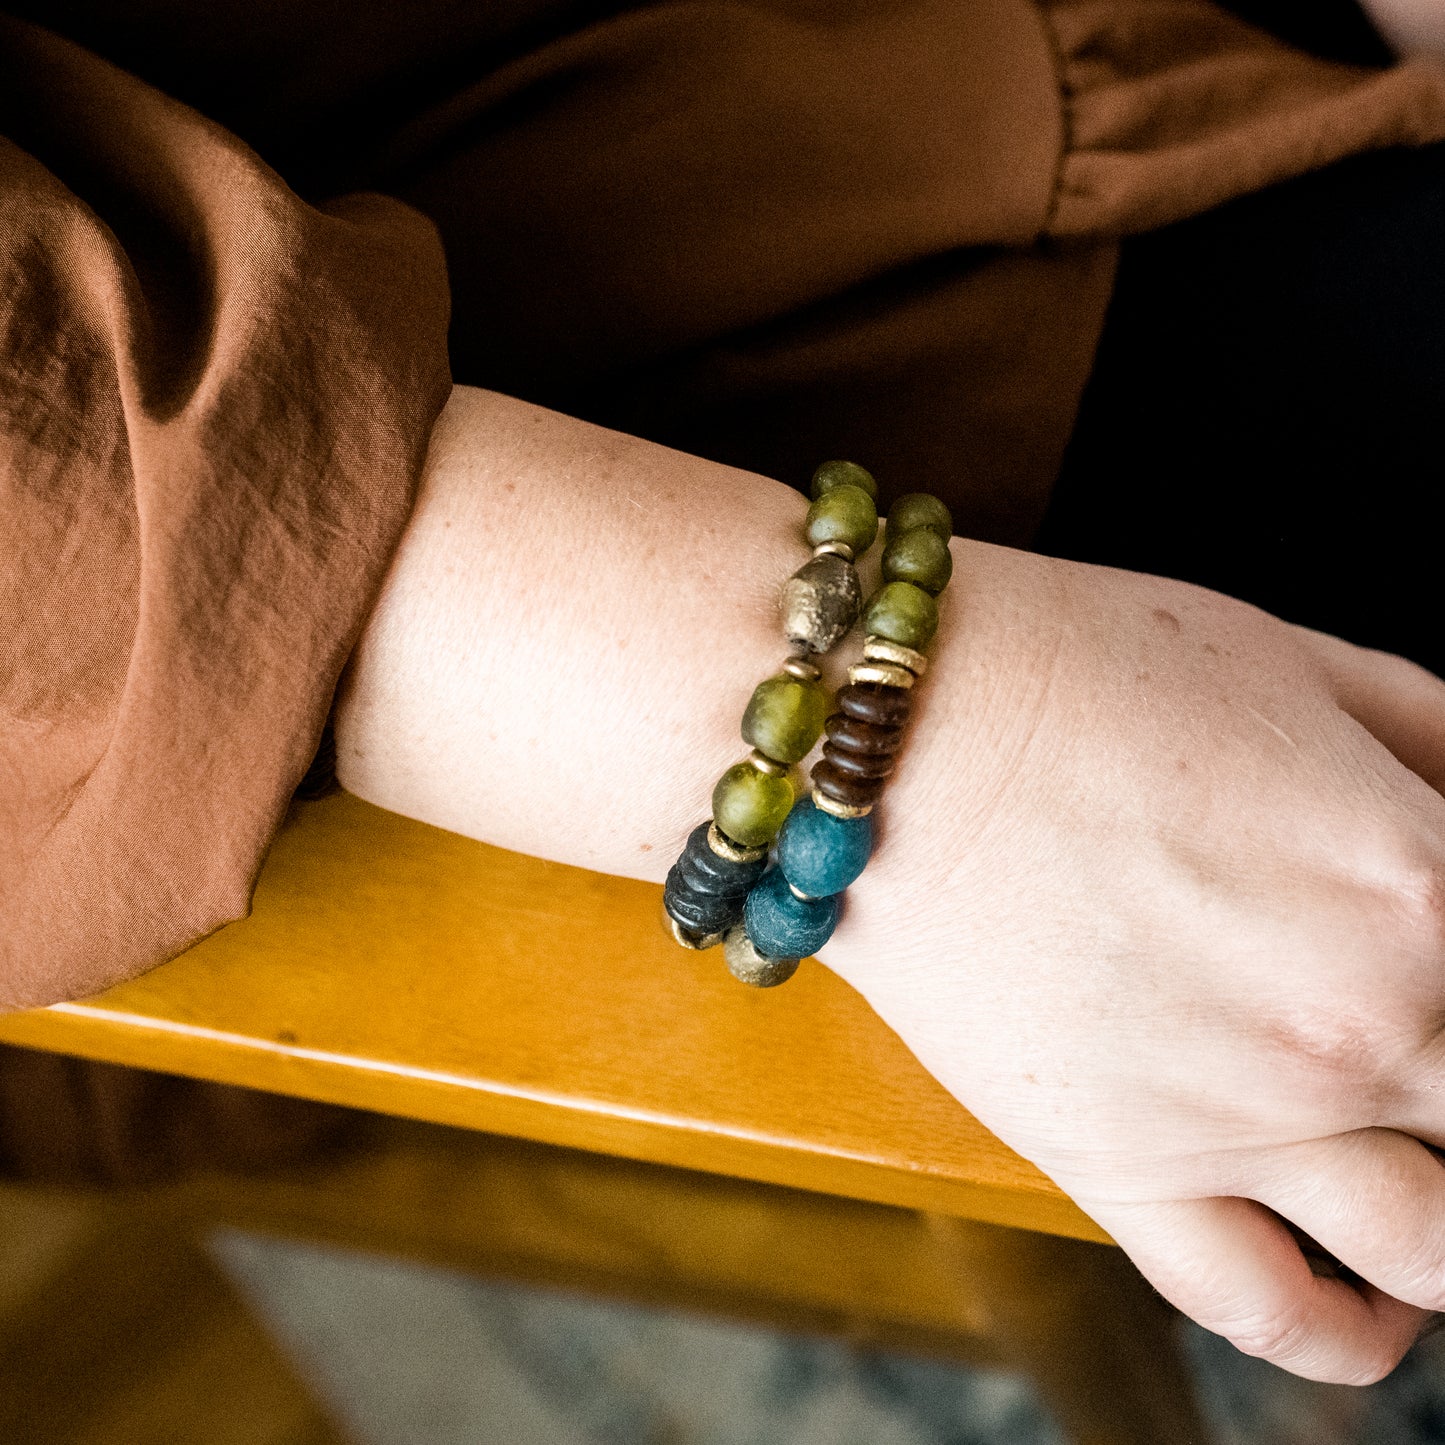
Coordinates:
<point>721,889</point>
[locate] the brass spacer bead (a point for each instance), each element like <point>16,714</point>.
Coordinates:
<point>825,804</point>
<point>889,674</point>
<point>771,766</point>
<point>838,549</point>
<point>880,649</point>
<point>800,668</point>
<point>800,895</point>
<point>698,942</point>
<point>724,847</point>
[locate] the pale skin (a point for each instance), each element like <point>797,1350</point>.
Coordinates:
<point>1159,888</point>
<point>1413,27</point>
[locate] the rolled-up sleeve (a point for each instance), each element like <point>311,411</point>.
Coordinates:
<point>214,405</point>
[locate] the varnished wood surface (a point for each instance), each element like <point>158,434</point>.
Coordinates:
<point>395,967</point>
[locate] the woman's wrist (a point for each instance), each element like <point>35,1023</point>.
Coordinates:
<point>567,635</point>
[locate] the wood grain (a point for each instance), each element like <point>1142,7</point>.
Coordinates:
<point>395,967</point>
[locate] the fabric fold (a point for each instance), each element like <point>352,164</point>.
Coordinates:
<point>214,406</point>
<point>1175,106</point>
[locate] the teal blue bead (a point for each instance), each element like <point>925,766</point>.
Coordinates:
<point>819,854</point>
<point>783,926</point>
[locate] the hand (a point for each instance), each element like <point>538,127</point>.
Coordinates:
<point>1161,899</point>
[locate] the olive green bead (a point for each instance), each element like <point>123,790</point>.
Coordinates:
<point>902,613</point>
<point>785,717</point>
<point>846,514</point>
<point>920,557</point>
<point>750,806</point>
<point>919,509</point>
<point>842,474</point>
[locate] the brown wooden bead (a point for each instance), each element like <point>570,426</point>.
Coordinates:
<point>873,702</point>
<point>857,765</point>
<point>856,792</point>
<point>863,737</point>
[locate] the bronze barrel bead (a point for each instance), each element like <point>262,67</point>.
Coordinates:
<point>874,702</point>
<point>858,765</point>
<point>863,737</point>
<point>855,792</point>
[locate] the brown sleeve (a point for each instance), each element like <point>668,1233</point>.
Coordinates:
<point>1174,106</point>
<point>214,403</point>
<point>770,232</point>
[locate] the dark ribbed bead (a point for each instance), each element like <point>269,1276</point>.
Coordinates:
<point>863,737</point>
<point>707,872</point>
<point>700,912</point>
<point>835,784</point>
<point>873,702</point>
<point>857,765</point>
<point>730,880</point>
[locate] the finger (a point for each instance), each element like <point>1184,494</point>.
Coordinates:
<point>1232,1266</point>
<point>1396,700</point>
<point>1375,1199</point>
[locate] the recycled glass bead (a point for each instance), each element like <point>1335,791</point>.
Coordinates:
<point>704,871</point>
<point>844,514</point>
<point>842,474</point>
<point>785,717</point>
<point>820,854</point>
<point>920,557</point>
<point>902,613</point>
<point>700,913</point>
<point>782,925</point>
<point>919,509</point>
<point>750,805</point>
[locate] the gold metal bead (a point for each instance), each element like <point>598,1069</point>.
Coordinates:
<point>887,673</point>
<point>821,602</point>
<point>699,942</point>
<point>803,670</point>
<point>724,847</point>
<point>749,966</point>
<point>825,804</point>
<point>800,895</point>
<point>771,766</point>
<point>838,549</point>
<point>880,649</point>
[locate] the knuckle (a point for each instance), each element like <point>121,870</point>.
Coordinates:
<point>1290,1339</point>
<point>1275,1337</point>
<point>1412,909</point>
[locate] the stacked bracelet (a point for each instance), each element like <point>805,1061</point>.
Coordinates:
<point>721,889</point>
<point>724,857</point>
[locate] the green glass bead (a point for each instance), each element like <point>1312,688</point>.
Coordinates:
<point>902,613</point>
<point>750,806</point>
<point>919,509</point>
<point>920,557</point>
<point>842,474</point>
<point>785,717</point>
<point>845,514</point>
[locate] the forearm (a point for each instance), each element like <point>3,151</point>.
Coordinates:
<point>567,638</point>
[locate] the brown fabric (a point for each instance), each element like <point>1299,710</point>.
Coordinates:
<point>765,231</point>
<point>215,401</point>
